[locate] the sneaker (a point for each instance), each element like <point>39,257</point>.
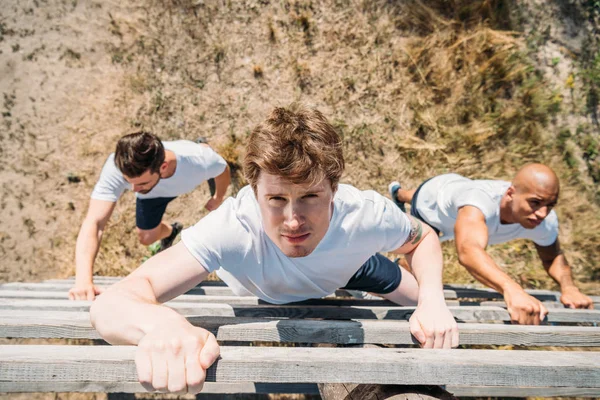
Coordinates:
<point>168,241</point>
<point>212,186</point>
<point>393,189</point>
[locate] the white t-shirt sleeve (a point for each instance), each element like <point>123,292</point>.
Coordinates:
<point>547,233</point>
<point>213,163</point>
<point>215,236</point>
<point>477,198</point>
<point>111,184</point>
<point>393,223</point>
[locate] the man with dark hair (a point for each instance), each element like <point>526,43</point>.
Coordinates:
<point>478,213</point>
<point>157,172</point>
<point>294,233</point>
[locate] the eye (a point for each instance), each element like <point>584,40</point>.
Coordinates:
<point>277,198</point>
<point>311,196</point>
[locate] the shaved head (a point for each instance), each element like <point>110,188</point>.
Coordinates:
<point>531,196</point>
<point>537,178</point>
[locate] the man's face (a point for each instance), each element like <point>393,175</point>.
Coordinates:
<point>144,183</point>
<point>530,206</point>
<point>295,217</point>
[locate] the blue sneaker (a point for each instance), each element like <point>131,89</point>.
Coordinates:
<point>393,189</point>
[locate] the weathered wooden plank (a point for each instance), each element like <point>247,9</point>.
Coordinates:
<point>211,290</point>
<point>76,325</point>
<point>324,365</point>
<point>134,387</point>
<point>496,391</point>
<point>451,291</point>
<point>462,313</point>
<point>233,300</point>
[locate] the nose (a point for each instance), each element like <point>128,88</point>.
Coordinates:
<point>292,216</point>
<point>542,212</point>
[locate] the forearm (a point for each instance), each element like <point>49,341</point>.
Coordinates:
<point>426,264</point>
<point>138,312</point>
<point>86,249</point>
<point>560,271</point>
<point>479,264</point>
<point>222,182</point>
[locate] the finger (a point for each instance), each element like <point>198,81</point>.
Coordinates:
<point>438,338</point>
<point>98,289</point>
<point>194,373</point>
<point>416,330</point>
<point>209,352</point>
<point>71,295</point>
<point>176,368</point>
<point>543,312</point>
<point>159,368</point>
<point>143,365</point>
<point>455,336</point>
<point>447,339</point>
<point>89,294</point>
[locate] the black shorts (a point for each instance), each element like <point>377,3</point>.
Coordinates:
<point>378,275</point>
<point>149,212</point>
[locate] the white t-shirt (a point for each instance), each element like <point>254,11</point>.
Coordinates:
<point>195,164</point>
<point>440,198</point>
<point>231,240</point>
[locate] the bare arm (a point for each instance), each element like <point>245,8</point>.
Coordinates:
<point>172,354</point>
<point>432,324</point>
<point>556,265</point>
<point>222,182</point>
<point>86,249</point>
<point>471,235</point>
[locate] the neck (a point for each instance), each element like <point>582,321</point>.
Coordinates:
<point>505,211</point>
<point>171,160</point>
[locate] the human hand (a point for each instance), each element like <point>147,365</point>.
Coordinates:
<point>433,325</point>
<point>523,308</point>
<point>572,298</point>
<point>86,291</point>
<point>174,357</point>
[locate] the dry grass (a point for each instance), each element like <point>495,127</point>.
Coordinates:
<point>415,88</point>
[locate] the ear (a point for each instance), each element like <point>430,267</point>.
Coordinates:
<point>511,192</point>
<point>163,168</point>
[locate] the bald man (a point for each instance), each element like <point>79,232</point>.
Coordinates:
<point>478,213</point>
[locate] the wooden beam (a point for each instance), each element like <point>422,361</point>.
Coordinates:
<point>495,391</point>
<point>31,363</point>
<point>135,387</point>
<point>462,313</point>
<point>76,325</point>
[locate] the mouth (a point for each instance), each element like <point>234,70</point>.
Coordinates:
<point>535,222</point>
<point>295,239</point>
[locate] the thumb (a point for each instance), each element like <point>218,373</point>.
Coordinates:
<point>98,290</point>
<point>210,351</point>
<point>416,330</point>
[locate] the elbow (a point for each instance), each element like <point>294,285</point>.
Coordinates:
<point>464,256</point>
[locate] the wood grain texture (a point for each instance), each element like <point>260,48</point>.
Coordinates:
<point>324,365</point>
<point>76,325</point>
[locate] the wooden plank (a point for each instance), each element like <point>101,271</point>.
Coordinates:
<point>211,290</point>
<point>451,291</point>
<point>234,300</point>
<point>284,388</point>
<point>76,325</point>
<point>462,313</point>
<point>495,391</point>
<point>134,387</point>
<point>31,363</point>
